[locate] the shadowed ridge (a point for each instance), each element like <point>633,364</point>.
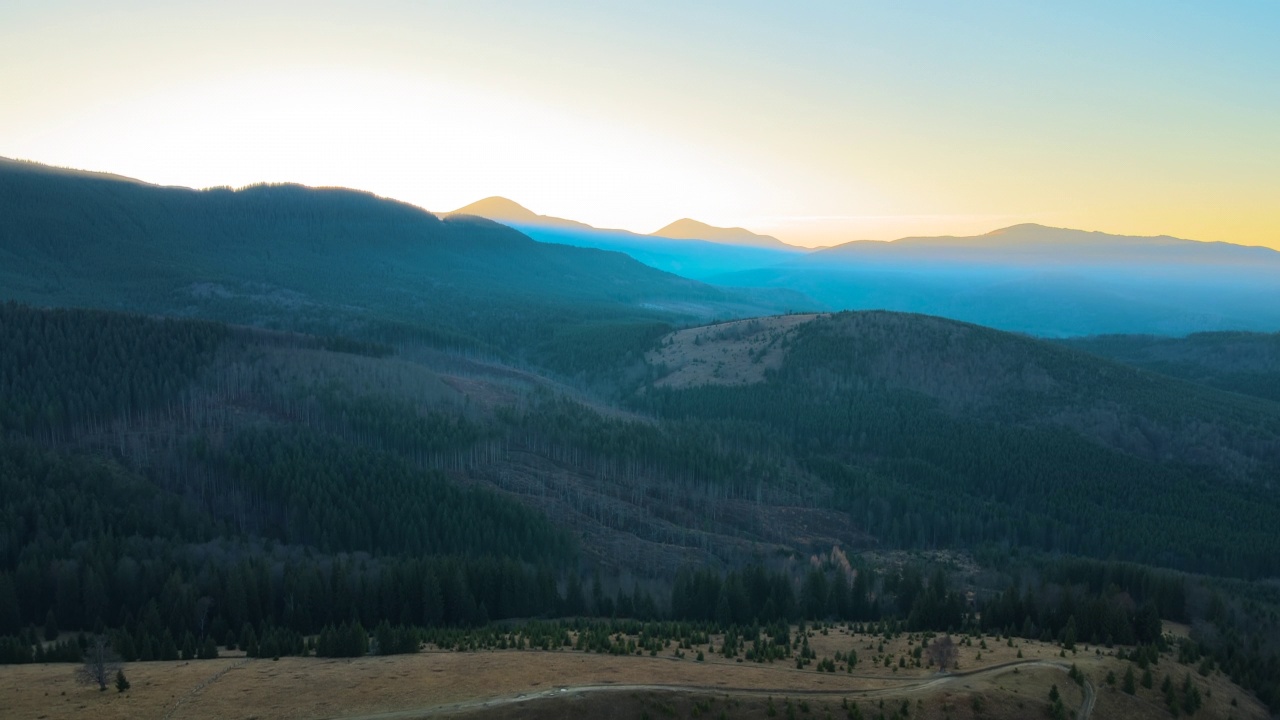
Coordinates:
<point>296,256</point>
<point>34,168</point>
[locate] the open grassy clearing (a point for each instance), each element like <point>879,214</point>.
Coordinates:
<point>731,353</point>
<point>567,683</point>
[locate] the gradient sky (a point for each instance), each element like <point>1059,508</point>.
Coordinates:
<point>818,122</point>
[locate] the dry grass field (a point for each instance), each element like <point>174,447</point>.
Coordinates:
<point>732,353</point>
<point>990,683</point>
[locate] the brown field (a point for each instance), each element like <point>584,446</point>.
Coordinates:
<point>565,683</point>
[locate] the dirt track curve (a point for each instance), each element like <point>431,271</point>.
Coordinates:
<point>1086,708</point>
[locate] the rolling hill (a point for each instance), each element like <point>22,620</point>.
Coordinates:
<point>1247,363</point>
<point>933,432</point>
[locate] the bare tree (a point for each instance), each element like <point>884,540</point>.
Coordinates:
<point>101,663</point>
<point>203,605</point>
<point>943,652</point>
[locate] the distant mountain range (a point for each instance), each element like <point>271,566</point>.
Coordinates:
<point>342,256</point>
<point>506,211</point>
<point>686,229</point>
<point>1053,282</point>
<point>1031,244</point>
<point>510,212</point>
<point>322,260</point>
<point>1046,281</point>
<point>685,247</point>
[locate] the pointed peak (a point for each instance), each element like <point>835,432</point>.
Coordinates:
<point>685,225</point>
<point>497,208</point>
<point>510,212</point>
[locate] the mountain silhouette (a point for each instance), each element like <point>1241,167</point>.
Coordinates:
<point>687,229</point>
<point>316,259</point>
<point>1030,242</point>
<point>510,212</point>
<point>680,250</point>
<point>1052,282</point>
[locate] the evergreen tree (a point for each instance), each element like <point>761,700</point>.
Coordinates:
<point>50,626</point>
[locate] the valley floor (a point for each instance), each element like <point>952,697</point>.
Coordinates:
<point>566,683</point>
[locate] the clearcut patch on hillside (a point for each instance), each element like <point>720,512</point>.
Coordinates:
<point>732,353</point>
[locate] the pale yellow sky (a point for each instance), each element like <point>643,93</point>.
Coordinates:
<point>819,123</point>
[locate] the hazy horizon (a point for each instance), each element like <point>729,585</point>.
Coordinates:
<point>818,125</point>
<point>640,231</point>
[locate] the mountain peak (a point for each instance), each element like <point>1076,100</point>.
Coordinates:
<point>1023,228</point>
<point>1054,246</point>
<point>1032,234</point>
<point>689,229</point>
<point>498,208</point>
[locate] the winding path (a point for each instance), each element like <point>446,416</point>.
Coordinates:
<point>1083,713</point>
<point>208,681</point>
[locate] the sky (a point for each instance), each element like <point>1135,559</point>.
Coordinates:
<point>816,122</point>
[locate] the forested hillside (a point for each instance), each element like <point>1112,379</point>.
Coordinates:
<point>184,482</point>
<point>194,447</point>
<point>323,260</point>
<point>1246,363</point>
<point>934,433</point>
<point>853,440</point>
<point>126,470</point>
